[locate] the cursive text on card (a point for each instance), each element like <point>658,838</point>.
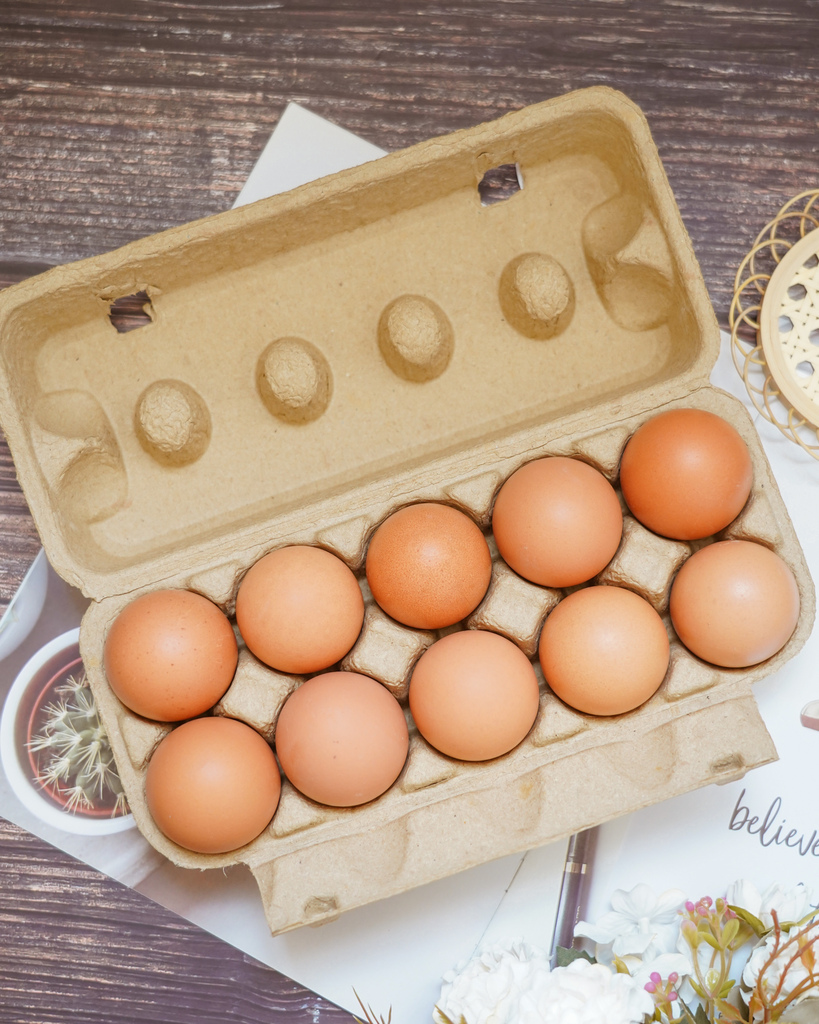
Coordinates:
<point>771,829</point>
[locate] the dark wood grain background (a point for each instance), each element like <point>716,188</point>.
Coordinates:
<point>119,119</point>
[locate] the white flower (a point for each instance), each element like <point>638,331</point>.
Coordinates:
<point>511,984</point>
<point>585,993</point>
<point>795,974</point>
<point>487,988</point>
<point>790,904</point>
<point>639,922</point>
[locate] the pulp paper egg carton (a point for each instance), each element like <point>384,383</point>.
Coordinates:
<point>320,359</point>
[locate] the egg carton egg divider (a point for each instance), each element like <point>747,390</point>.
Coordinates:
<point>317,360</point>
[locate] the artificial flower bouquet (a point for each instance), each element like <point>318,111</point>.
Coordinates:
<point>746,957</point>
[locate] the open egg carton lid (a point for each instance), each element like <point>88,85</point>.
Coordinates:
<point>317,360</point>
<point>141,452</point>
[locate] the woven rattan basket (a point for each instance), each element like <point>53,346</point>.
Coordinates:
<point>774,321</point>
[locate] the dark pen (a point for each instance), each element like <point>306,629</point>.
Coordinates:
<point>573,890</point>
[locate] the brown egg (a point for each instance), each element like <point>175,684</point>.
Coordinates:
<point>299,609</point>
<point>428,566</point>
<point>342,739</point>
<point>474,695</point>
<point>170,654</point>
<point>604,650</point>
<point>557,522</point>
<point>686,474</point>
<point>734,603</point>
<point>212,785</point>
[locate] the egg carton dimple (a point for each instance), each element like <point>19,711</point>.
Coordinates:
<point>387,651</point>
<point>257,694</point>
<point>601,449</point>
<point>426,766</point>
<point>687,674</point>
<point>645,563</point>
<point>296,813</point>
<point>755,522</point>
<point>514,607</point>
<point>141,737</point>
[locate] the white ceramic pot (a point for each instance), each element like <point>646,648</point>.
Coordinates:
<point>33,687</point>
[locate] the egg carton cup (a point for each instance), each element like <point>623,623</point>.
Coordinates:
<point>320,359</point>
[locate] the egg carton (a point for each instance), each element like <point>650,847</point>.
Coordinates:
<point>320,359</point>
<point>442,815</point>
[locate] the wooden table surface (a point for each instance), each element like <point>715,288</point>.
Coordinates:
<point>120,119</point>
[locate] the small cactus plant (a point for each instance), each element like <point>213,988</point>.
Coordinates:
<point>72,754</point>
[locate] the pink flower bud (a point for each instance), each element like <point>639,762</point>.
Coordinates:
<point>650,987</point>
